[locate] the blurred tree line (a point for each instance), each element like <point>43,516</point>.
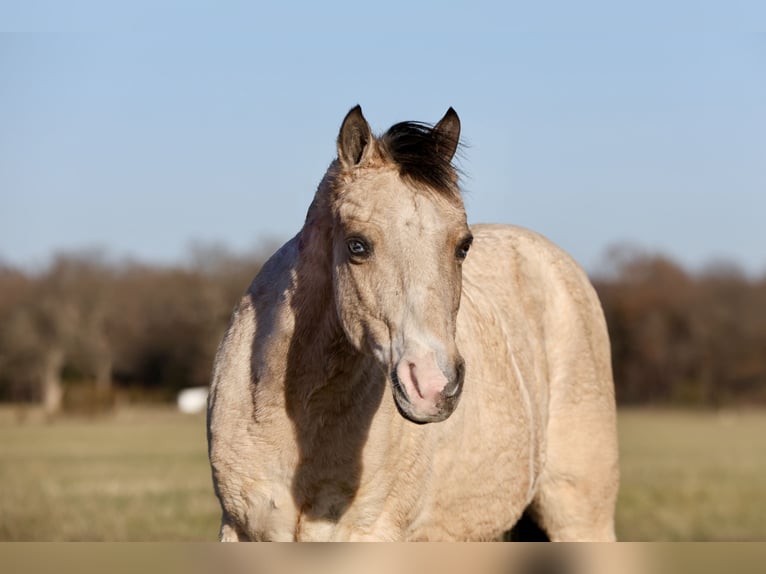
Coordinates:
<point>683,338</point>
<point>85,333</point>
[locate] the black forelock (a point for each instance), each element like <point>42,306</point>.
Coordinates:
<point>419,152</point>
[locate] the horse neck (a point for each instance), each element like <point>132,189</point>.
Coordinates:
<point>328,382</point>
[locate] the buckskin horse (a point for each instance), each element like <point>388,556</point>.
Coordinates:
<point>394,374</point>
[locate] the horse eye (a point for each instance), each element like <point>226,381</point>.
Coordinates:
<point>462,251</point>
<point>358,248</point>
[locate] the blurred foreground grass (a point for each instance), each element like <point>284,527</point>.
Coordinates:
<point>139,475</point>
<point>142,474</point>
<point>692,475</point>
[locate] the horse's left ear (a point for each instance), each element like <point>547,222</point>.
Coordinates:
<point>448,132</point>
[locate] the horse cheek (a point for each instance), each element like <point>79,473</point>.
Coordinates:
<point>346,303</point>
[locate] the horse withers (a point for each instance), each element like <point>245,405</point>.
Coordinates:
<point>394,374</point>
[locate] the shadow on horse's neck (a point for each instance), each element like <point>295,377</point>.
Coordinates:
<point>320,353</point>
<point>332,390</point>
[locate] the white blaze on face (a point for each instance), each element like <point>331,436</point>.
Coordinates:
<point>426,362</point>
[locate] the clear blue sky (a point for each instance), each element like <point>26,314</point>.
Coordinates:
<point>143,128</point>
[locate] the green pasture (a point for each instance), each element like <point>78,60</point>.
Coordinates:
<point>142,474</point>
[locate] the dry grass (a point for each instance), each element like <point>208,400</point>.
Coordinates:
<point>139,475</point>
<point>143,475</point>
<point>692,475</point>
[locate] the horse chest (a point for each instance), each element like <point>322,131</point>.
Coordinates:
<point>308,479</point>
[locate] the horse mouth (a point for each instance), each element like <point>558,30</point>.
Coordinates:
<point>444,407</point>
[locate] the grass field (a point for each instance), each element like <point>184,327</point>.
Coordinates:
<point>142,474</point>
<point>692,476</point>
<point>138,475</point>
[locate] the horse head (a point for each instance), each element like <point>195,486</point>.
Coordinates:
<point>399,239</point>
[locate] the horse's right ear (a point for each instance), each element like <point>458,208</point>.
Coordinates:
<point>354,138</point>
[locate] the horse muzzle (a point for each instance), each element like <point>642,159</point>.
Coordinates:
<point>423,392</point>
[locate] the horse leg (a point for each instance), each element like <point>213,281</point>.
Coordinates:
<point>577,489</point>
<point>230,532</point>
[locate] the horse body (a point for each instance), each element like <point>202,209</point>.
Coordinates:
<point>306,441</point>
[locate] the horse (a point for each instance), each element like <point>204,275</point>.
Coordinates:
<point>393,373</point>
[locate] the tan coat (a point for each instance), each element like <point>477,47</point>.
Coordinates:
<point>332,355</point>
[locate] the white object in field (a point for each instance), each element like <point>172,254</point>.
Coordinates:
<point>192,400</point>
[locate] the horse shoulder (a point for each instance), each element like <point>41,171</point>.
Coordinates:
<point>248,433</point>
<point>576,488</point>
<point>260,320</point>
<point>533,335</point>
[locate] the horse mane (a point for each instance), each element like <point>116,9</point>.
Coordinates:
<point>419,151</point>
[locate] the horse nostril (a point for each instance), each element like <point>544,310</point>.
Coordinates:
<point>414,379</point>
<point>452,388</point>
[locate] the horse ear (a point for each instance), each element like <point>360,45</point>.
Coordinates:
<point>448,132</point>
<point>354,138</point>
